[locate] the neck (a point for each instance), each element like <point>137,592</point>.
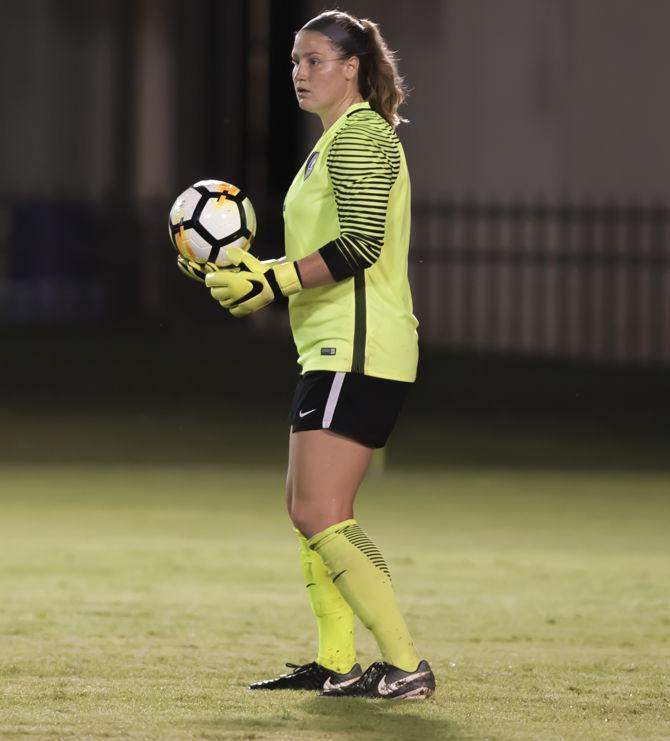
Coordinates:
<point>329,117</point>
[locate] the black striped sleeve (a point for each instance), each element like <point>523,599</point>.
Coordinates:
<point>363,165</point>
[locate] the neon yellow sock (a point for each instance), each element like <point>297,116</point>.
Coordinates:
<point>334,617</point>
<point>360,573</point>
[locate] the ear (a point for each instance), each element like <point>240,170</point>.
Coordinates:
<point>351,67</point>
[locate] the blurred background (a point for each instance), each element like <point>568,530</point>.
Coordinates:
<point>540,259</point>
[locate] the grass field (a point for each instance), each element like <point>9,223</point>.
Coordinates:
<point>137,601</point>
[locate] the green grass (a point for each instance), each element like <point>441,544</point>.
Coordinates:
<point>139,601</point>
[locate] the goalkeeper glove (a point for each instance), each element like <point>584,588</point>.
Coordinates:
<point>254,284</point>
<point>195,270</point>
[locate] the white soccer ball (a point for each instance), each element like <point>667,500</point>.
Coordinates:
<point>208,218</point>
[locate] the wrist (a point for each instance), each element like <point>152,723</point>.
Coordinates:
<point>287,277</point>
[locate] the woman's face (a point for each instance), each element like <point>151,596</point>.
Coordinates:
<point>321,77</point>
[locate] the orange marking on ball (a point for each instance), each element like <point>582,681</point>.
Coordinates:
<point>226,189</point>
<point>183,243</point>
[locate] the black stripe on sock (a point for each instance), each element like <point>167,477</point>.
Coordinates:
<point>358,538</point>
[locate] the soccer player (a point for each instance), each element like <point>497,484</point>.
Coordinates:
<point>347,228</point>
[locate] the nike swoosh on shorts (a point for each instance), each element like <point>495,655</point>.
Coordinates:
<point>302,414</point>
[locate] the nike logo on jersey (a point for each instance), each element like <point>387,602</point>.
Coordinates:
<point>389,689</point>
<point>328,685</point>
<point>302,414</point>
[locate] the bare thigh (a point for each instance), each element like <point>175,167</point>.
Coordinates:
<point>325,471</point>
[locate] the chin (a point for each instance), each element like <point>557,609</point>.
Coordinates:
<point>306,105</point>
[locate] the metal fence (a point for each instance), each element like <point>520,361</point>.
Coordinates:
<point>583,281</point>
<point>590,282</point>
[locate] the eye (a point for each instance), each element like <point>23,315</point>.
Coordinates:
<point>311,62</point>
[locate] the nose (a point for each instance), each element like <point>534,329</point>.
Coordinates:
<point>299,71</point>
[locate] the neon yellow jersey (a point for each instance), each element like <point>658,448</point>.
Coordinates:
<point>351,201</point>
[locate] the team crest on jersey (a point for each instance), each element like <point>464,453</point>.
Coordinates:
<point>310,164</point>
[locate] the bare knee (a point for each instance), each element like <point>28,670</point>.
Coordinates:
<point>311,515</point>
<point>307,523</point>
<point>325,471</point>
<point>299,515</point>
<point>301,523</point>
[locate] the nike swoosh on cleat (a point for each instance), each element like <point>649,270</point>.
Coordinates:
<point>302,414</point>
<point>388,689</point>
<point>328,685</point>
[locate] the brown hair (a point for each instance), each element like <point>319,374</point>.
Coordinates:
<point>378,79</point>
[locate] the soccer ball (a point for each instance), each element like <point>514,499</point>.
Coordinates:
<point>208,218</point>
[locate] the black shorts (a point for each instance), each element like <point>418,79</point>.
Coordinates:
<point>363,408</point>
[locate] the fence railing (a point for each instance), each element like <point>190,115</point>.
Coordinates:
<point>583,281</point>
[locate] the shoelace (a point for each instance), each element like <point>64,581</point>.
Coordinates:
<point>372,675</point>
<point>298,667</point>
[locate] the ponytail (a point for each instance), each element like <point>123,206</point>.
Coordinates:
<point>382,86</point>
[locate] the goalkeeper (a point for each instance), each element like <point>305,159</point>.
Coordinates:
<point>347,228</point>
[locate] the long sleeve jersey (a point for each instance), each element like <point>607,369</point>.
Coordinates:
<point>351,201</point>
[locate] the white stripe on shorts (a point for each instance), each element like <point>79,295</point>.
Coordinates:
<point>333,396</point>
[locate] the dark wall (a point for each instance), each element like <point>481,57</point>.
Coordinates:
<point>112,108</point>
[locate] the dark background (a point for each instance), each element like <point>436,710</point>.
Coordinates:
<point>541,235</point>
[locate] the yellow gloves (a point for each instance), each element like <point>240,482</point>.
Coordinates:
<point>252,284</point>
<point>195,270</point>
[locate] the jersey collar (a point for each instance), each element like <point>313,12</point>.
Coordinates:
<point>340,121</point>
<point>356,107</point>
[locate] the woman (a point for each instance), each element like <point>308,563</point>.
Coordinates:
<point>347,224</point>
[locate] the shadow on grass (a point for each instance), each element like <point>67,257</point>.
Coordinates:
<point>378,719</point>
<point>326,718</point>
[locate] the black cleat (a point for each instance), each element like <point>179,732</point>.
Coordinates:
<point>386,681</point>
<point>310,677</point>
